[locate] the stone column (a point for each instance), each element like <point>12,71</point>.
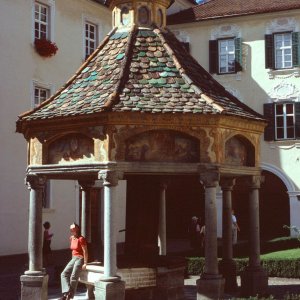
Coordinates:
<point>34,284</point>
<point>110,287</point>
<point>162,225</point>
<point>227,265</point>
<point>211,283</point>
<point>254,279</point>
<point>86,209</point>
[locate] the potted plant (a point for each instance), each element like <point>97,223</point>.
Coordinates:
<point>45,47</point>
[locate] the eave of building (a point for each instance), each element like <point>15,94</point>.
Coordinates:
<point>146,119</point>
<point>190,16</point>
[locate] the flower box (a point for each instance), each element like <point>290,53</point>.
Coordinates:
<point>45,47</point>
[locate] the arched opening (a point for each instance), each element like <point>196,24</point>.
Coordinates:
<point>184,199</point>
<point>274,207</point>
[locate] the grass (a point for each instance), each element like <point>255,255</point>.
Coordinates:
<point>282,255</point>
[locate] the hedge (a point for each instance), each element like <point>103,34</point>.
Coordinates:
<point>289,268</point>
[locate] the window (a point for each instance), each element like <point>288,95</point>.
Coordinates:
<point>282,50</point>
<point>90,38</point>
<point>144,15</point>
<point>41,21</point>
<point>40,95</point>
<point>46,194</point>
<point>284,121</point>
<point>225,56</point>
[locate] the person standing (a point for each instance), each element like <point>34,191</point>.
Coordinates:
<point>70,275</point>
<point>235,228</point>
<point>47,244</point>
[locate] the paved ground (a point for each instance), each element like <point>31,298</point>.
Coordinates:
<point>12,267</point>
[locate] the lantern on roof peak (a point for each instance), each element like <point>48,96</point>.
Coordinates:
<point>143,13</point>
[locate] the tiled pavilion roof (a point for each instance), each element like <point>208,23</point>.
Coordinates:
<point>215,9</point>
<point>140,70</point>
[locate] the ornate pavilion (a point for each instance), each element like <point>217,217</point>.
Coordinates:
<point>141,104</point>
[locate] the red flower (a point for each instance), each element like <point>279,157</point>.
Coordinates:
<point>45,47</point>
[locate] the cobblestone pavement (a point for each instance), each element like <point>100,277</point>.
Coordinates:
<point>11,268</point>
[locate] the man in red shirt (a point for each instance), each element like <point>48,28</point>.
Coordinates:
<point>70,275</point>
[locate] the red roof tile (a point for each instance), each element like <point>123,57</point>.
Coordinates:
<point>215,9</point>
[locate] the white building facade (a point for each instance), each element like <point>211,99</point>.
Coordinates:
<point>255,55</point>
<point>27,78</point>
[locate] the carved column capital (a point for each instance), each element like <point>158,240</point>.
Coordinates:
<point>254,182</point>
<point>109,177</point>
<point>35,182</point>
<point>164,182</point>
<point>227,184</point>
<point>210,178</point>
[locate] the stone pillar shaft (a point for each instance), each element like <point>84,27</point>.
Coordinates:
<point>35,239</point>
<point>211,247</point>
<point>254,237</point>
<point>227,185</point>
<point>162,226</point>
<point>110,182</point>
<point>86,222</point>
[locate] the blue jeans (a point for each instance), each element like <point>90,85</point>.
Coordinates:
<point>69,276</point>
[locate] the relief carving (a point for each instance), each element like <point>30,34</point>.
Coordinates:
<point>71,148</point>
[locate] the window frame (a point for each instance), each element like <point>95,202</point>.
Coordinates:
<point>51,18</point>
<point>270,132</point>
<point>214,55</point>
<point>227,54</point>
<point>47,200</point>
<point>88,39</point>
<point>283,67</point>
<point>284,116</point>
<point>40,89</point>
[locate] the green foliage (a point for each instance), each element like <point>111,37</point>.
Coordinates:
<point>274,267</point>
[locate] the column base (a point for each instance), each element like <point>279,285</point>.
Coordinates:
<point>254,281</point>
<point>34,287</point>
<point>210,287</point>
<point>227,268</point>
<point>109,290</point>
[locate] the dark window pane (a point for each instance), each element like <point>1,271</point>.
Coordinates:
<point>290,108</point>
<point>279,109</point>
<point>279,121</point>
<point>290,121</point>
<point>280,133</point>
<point>290,133</point>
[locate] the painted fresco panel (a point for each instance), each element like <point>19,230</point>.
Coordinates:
<point>71,148</point>
<point>235,152</point>
<point>162,146</point>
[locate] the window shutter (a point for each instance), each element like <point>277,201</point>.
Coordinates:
<point>269,114</point>
<point>269,51</point>
<point>297,120</point>
<point>213,56</point>
<point>238,54</point>
<point>296,48</point>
